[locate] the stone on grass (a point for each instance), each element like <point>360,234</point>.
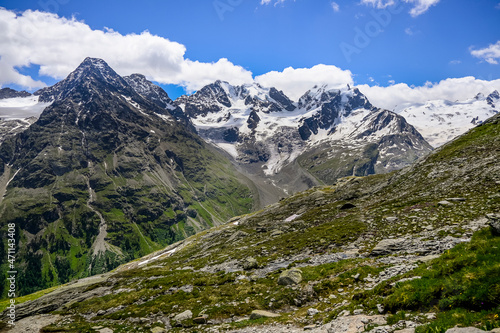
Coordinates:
<point>250,263</point>
<point>183,316</point>
<point>158,330</point>
<point>256,314</point>
<point>201,319</point>
<point>464,330</point>
<point>388,246</point>
<point>290,277</point>
<point>494,222</point>
<point>311,312</point>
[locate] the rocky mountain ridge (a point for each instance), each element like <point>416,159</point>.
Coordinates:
<point>104,176</point>
<point>11,93</point>
<point>327,129</point>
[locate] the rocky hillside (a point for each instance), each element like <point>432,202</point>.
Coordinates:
<point>327,134</point>
<point>407,251</point>
<point>105,176</point>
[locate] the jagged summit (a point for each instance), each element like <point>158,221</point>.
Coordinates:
<point>221,95</point>
<point>493,98</point>
<point>92,74</point>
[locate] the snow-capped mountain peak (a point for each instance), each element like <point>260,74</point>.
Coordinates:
<point>439,121</point>
<point>262,127</point>
<point>91,71</point>
<point>493,99</point>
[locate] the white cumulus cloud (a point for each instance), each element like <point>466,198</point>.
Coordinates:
<point>397,96</point>
<point>296,81</point>
<point>335,7</point>
<point>58,45</point>
<point>490,54</point>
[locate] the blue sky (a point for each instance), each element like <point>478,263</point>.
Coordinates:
<point>372,41</point>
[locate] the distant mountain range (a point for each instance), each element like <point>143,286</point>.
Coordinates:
<point>327,134</point>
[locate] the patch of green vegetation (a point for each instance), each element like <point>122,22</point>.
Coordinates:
<point>19,300</point>
<point>467,276</point>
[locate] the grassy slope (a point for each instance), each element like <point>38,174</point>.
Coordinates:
<point>145,204</point>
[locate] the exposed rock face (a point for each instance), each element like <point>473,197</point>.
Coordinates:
<point>157,95</point>
<point>414,245</point>
<point>354,324</point>
<point>493,98</point>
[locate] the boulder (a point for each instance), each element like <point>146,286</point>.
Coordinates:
<point>250,263</point>
<point>158,330</point>
<point>309,327</point>
<point>464,330</point>
<point>445,203</point>
<point>183,316</point>
<point>311,312</point>
<point>494,222</point>
<point>290,277</point>
<point>388,246</point>
<point>354,324</point>
<point>201,319</point>
<point>256,314</point>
